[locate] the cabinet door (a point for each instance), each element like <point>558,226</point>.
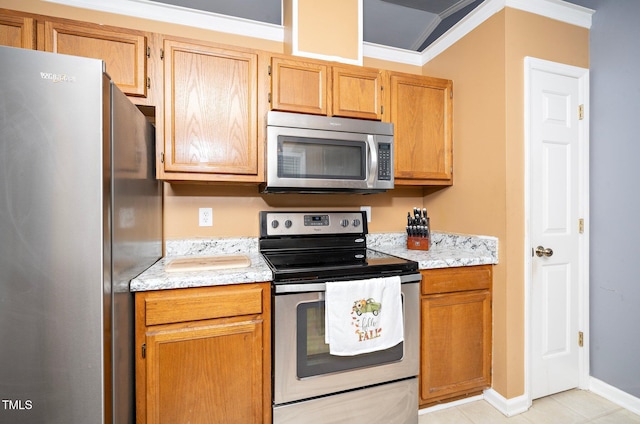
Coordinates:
<point>205,374</point>
<point>210,112</point>
<point>299,86</point>
<point>422,111</point>
<point>456,345</point>
<point>357,92</point>
<point>16,31</point>
<point>124,52</point>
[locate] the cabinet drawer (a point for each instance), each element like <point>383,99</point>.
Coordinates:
<point>445,280</point>
<point>181,305</point>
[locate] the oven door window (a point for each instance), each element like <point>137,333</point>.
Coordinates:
<point>313,357</point>
<point>310,158</point>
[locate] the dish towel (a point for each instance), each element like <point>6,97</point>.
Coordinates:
<point>363,316</point>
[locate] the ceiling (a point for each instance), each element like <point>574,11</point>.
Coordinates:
<point>405,24</point>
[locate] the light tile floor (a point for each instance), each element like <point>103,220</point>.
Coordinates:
<point>571,407</point>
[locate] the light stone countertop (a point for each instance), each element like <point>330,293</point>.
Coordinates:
<point>157,278</point>
<point>446,250</point>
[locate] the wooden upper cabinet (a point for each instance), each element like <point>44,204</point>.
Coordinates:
<point>422,114</point>
<point>319,88</point>
<point>123,51</point>
<point>357,92</point>
<point>299,86</point>
<point>17,31</point>
<point>211,124</point>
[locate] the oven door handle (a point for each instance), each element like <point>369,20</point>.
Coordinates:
<point>321,287</point>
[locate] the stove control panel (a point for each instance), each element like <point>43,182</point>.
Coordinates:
<point>303,223</point>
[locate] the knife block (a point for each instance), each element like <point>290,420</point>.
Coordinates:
<point>418,243</point>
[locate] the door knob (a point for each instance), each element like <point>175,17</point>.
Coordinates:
<point>541,251</point>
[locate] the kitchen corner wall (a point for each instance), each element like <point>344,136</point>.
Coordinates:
<point>487,69</point>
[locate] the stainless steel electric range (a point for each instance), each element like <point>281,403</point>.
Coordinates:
<point>305,250</point>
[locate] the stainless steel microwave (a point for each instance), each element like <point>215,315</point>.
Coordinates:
<point>320,154</point>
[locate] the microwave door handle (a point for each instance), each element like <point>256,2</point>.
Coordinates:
<point>372,153</point>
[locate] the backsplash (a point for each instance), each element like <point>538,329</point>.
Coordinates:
<point>249,245</point>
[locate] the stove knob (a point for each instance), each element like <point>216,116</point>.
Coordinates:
<point>274,223</point>
<point>356,222</point>
<point>288,223</point>
<point>344,222</point>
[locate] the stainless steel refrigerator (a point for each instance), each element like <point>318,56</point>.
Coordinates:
<point>80,216</point>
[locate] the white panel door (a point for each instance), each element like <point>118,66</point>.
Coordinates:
<point>554,232</point>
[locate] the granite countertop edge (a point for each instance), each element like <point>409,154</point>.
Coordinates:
<point>446,250</point>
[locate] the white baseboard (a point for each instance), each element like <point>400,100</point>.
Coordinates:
<point>508,407</point>
<point>520,404</point>
<point>615,395</point>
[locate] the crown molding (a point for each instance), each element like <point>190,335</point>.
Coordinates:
<point>147,9</point>
<point>161,12</point>
<point>391,54</point>
<point>554,9</point>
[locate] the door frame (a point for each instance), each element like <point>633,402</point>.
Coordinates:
<point>582,74</point>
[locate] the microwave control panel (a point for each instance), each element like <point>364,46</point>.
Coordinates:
<point>384,162</point>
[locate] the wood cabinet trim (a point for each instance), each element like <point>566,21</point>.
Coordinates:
<point>457,382</point>
<point>156,340</point>
<point>348,103</point>
<point>176,306</point>
<point>445,280</point>
<point>245,147</point>
<point>24,25</point>
<point>456,333</point>
<point>54,29</point>
<point>411,165</point>
<point>285,96</point>
<point>254,328</point>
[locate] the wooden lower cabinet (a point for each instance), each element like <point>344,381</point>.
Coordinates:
<point>203,355</point>
<point>456,320</point>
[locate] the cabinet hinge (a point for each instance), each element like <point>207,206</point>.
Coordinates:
<point>269,97</point>
<point>148,82</point>
<point>381,110</point>
<point>580,339</point>
<point>161,157</point>
<point>580,112</point>
<point>144,350</point>
<point>269,70</point>
<point>148,51</point>
<point>581,226</point>
<point>161,54</point>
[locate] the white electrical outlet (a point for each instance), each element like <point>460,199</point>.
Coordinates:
<point>205,217</point>
<point>367,209</point>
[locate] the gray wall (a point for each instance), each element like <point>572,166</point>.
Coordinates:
<point>615,192</point>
